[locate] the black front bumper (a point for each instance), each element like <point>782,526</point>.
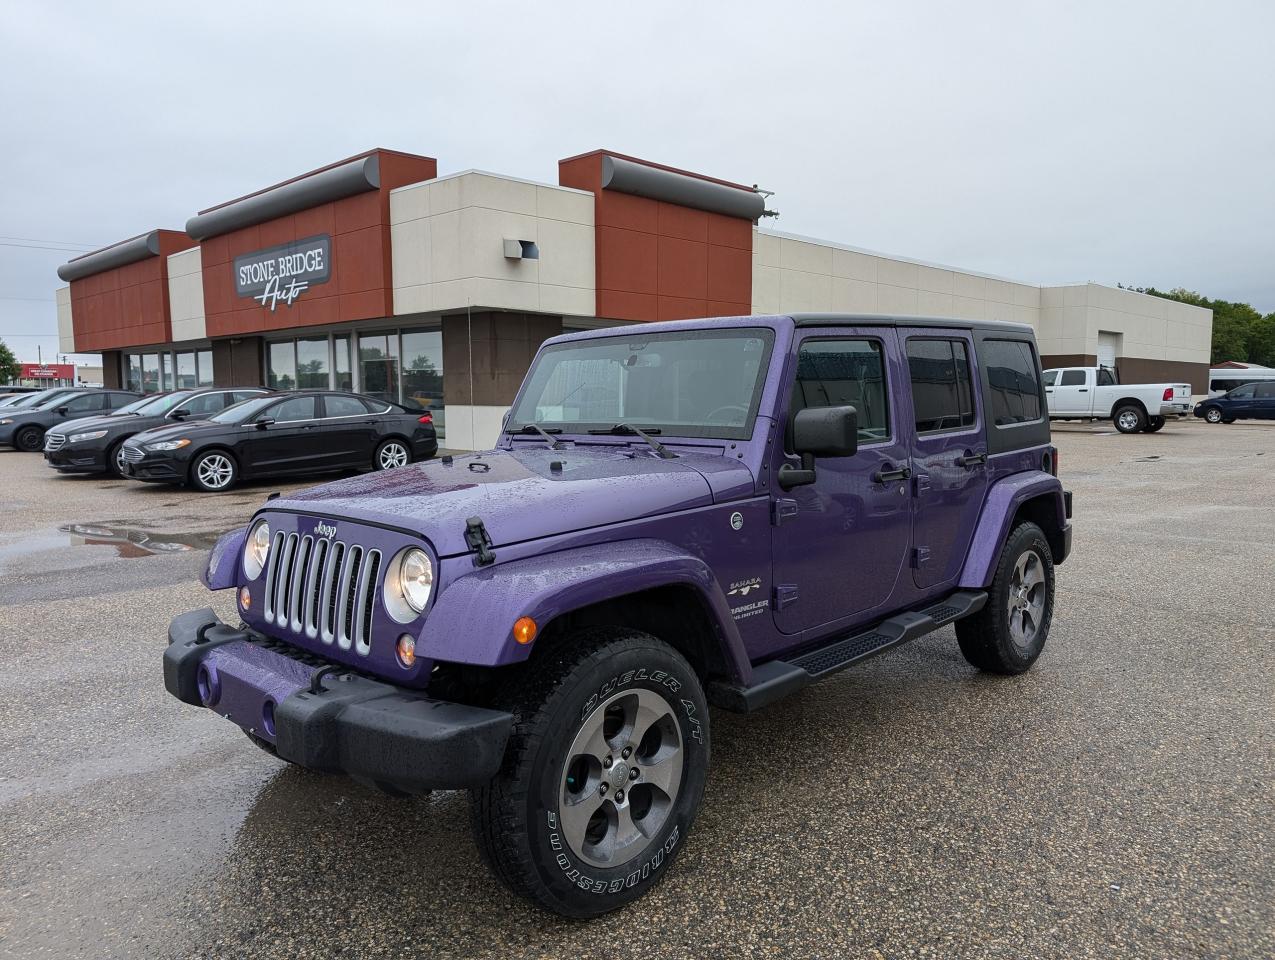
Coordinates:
<point>73,458</point>
<point>339,721</point>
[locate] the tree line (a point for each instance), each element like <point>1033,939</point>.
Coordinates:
<point>1239,331</point>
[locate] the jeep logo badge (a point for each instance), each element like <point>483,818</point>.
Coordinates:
<point>736,520</point>
<point>325,529</point>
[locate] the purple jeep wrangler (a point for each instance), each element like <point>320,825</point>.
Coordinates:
<point>677,514</point>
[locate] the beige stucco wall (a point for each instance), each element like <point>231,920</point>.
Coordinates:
<point>66,331</point>
<point>186,295</point>
<point>797,274</point>
<point>1151,328</point>
<point>447,237</point>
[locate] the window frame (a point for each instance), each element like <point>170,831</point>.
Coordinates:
<point>1083,378</point>
<point>974,426</point>
<point>266,414</point>
<point>791,414</point>
<point>1007,437</point>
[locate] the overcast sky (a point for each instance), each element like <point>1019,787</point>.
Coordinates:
<point>1046,142</point>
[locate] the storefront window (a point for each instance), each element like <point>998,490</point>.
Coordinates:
<point>165,371</point>
<point>150,373</point>
<point>283,365</point>
<point>378,365</point>
<point>341,355</point>
<point>423,372</point>
<point>312,364</point>
<point>205,368</point>
<point>133,372</point>
<point>186,377</point>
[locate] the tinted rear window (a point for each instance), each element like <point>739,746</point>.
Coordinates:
<point>941,394</point>
<point>1010,367</point>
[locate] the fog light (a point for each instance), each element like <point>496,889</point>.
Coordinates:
<point>245,598</point>
<point>524,630</point>
<point>406,650</point>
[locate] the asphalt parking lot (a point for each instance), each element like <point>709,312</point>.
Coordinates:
<point>1117,801</point>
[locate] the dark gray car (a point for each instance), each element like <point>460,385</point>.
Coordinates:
<point>25,429</point>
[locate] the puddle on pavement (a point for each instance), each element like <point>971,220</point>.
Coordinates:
<point>125,541</point>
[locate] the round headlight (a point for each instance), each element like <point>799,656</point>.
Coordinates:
<point>256,550</point>
<point>408,585</point>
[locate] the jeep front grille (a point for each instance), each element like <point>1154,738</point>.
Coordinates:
<point>323,588</point>
<point>54,441</point>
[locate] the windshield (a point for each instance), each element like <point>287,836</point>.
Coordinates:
<point>155,406</point>
<point>244,410</point>
<point>54,400</point>
<point>33,400</point>
<point>702,383</point>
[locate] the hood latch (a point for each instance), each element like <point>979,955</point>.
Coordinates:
<point>479,542</point>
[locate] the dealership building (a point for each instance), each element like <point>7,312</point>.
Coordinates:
<point>375,274</point>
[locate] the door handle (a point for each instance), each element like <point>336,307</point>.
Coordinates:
<point>885,476</point>
<point>973,460</point>
<point>1082,389</point>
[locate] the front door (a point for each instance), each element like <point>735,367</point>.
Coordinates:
<point>840,543</point>
<point>949,455</point>
<point>292,442</point>
<point>1071,395</point>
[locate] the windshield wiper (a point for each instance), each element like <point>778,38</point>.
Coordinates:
<point>529,428</point>
<point>623,429</point>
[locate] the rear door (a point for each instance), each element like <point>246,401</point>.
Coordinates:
<point>291,444</point>
<point>1072,393</point>
<point>949,454</point>
<point>1264,401</point>
<point>349,429</point>
<point>1241,402</point>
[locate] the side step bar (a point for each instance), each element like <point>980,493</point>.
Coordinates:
<point>778,678</point>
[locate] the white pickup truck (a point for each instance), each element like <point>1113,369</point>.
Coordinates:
<point>1093,393</point>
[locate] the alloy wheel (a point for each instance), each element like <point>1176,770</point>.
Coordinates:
<point>1128,420</point>
<point>392,455</point>
<point>621,778</point>
<point>1026,601</point>
<point>1213,415</point>
<point>215,471</point>
<point>119,460</point>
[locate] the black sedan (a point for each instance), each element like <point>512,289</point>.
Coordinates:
<point>284,434</point>
<point>24,429</point>
<point>96,444</point>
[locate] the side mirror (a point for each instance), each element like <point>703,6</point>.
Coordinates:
<point>262,424</point>
<point>820,432</point>
<point>63,411</point>
<point>179,414</point>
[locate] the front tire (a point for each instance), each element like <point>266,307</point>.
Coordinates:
<point>1154,424</point>
<point>1129,419</point>
<point>1213,415</point>
<point>115,460</point>
<point>214,471</point>
<point>1008,634</point>
<point>29,439</point>
<point>603,774</point>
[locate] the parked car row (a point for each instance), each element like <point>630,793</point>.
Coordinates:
<point>212,437</point>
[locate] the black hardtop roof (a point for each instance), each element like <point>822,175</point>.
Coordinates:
<point>881,320</point>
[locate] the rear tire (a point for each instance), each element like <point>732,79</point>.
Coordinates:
<point>1213,415</point>
<point>391,454</point>
<point>29,439</point>
<point>602,776</point>
<point>1129,419</point>
<point>1154,424</point>
<point>214,471</point>
<point>1008,634</point>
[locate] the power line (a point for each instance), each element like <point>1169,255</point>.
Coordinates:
<point>32,246</point>
<point>65,243</point>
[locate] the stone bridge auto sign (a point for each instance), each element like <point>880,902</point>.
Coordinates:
<point>281,274</point>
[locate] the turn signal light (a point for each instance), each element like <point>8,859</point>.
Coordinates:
<point>245,598</point>
<point>406,650</point>
<point>428,418</point>
<point>1168,393</point>
<point>524,630</point>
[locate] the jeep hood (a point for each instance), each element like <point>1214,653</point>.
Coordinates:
<point>517,494</point>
